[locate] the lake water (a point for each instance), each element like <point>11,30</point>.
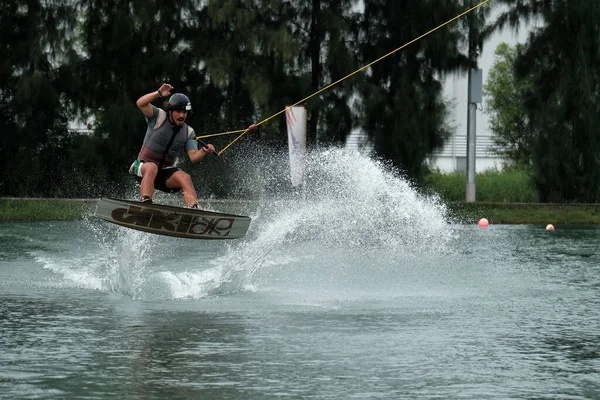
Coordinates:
<point>360,289</point>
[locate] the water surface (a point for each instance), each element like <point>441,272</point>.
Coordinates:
<point>360,289</point>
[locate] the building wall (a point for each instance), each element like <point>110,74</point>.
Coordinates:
<point>453,157</point>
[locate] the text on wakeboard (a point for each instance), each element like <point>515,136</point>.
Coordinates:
<point>173,222</point>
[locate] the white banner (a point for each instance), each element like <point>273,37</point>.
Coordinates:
<point>296,128</point>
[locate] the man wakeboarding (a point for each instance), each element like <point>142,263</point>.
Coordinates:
<point>166,137</point>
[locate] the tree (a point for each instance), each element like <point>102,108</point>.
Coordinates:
<point>270,54</point>
<point>128,49</point>
<point>35,36</point>
<point>326,31</point>
<point>505,96</point>
<point>246,49</point>
<point>563,105</point>
<point>403,110</point>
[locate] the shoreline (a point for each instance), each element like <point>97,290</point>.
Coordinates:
<point>526,213</point>
<point>14,209</point>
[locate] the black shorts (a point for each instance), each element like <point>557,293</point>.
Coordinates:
<point>162,176</point>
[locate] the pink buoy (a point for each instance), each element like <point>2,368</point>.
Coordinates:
<point>549,227</point>
<point>483,223</point>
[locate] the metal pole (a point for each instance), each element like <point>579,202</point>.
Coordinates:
<point>471,114</point>
<point>471,149</point>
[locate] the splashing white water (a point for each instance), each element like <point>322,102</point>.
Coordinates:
<point>116,263</point>
<point>352,206</point>
<point>356,201</point>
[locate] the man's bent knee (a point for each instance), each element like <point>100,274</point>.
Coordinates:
<point>179,179</point>
<point>149,169</point>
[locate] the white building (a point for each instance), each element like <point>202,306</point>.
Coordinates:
<point>453,156</point>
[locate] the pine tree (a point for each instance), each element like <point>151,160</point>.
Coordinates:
<point>563,105</point>
<point>35,36</point>
<point>403,110</point>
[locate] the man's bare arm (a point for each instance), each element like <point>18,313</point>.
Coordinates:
<point>143,102</point>
<point>197,155</point>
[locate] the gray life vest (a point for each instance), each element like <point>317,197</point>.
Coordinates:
<point>164,142</point>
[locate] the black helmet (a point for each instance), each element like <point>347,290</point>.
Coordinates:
<point>179,102</point>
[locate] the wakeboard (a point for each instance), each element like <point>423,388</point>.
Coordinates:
<point>166,220</point>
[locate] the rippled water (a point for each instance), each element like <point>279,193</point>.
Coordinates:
<point>359,289</point>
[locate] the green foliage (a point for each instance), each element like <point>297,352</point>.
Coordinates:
<point>565,106</point>
<point>242,61</point>
<point>403,111</point>
<point>505,98</point>
<point>450,187</point>
<point>563,102</point>
<point>34,120</point>
<point>507,186</point>
<point>44,209</point>
<point>525,213</point>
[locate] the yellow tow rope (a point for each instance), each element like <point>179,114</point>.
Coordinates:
<point>244,131</point>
